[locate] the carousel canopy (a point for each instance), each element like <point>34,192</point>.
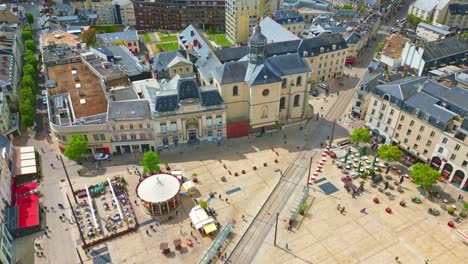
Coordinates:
<point>158,188</point>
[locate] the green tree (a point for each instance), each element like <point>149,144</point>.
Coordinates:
<point>30,59</point>
<point>360,135</point>
<point>30,18</point>
<point>347,6</point>
<point>30,45</point>
<point>26,35</point>
<point>28,28</point>
<point>203,204</point>
<point>28,81</point>
<point>150,162</point>
<point>76,148</point>
<point>29,70</point>
<point>414,19</point>
<point>26,111</point>
<point>424,175</point>
<point>89,36</point>
<point>389,153</point>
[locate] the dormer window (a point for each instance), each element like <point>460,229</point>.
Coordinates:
<point>416,112</point>
<point>322,49</point>
<point>426,117</point>
<point>334,47</point>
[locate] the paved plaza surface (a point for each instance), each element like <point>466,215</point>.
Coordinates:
<point>327,236</point>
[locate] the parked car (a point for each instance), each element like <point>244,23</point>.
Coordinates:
<point>44,92</point>
<point>101,156</point>
<point>323,86</point>
<point>355,175</point>
<point>44,100</point>
<point>314,93</point>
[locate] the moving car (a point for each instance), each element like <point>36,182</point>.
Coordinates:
<point>314,93</point>
<point>323,86</point>
<point>101,156</point>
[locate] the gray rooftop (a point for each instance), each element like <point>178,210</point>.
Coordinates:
<point>428,105</point>
<point>274,32</point>
<point>122,57</point>
<point>436,29</point>
<point>123,94</point>
<point>162,60</point>
<point>444,48</point>
<point>110,38</point>
<point>130,109</point>
<point>456,95</point>
<point>404,88</point>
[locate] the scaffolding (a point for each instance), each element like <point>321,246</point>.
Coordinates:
<point>219,240</point>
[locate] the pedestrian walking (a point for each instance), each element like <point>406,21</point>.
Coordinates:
<point>287,246</point>
<point>46,234</point>
<point>219,196</point>
<point>52,165</point>
<point>191,225</point>
<point>338,207</point>
<point>147,232</point>
<point>151,227</point>
<point>321,144</point>
<point>61,218</point>
<point>342,210</point>
<point>42,254</point>
<point>285,142</point>
<point>42,150</point>
<point>284,136</point>
<point>226,200</point>
<point>396,259</point>
<point>136,203</point>
<point>353,194</point>
<point>47,228</point>
<point>191,233</point>
<point>363,210</point>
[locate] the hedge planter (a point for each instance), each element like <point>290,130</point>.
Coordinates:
<point>376,200</point>
<point>276,161</point>
<point>230,173</point>
<point>451,224</point>
<point>388,210</point>
<point>236,174</point>
<point>195,180</point>
<point>403,203</point>
<point>264,164</point>
<point>243,171</point>
<point>416,200</point>
<point>254,167</point>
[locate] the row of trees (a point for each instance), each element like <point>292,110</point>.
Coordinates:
<point>28,82</point>
<point>421,173</point>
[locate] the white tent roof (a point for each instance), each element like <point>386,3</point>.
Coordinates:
<point>199,217</point>
<point>26,149</point>
<point>158,188</point>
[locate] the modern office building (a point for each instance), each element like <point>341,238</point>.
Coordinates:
<point>174,15</point>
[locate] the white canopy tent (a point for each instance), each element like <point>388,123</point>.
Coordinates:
<point>199,217</point>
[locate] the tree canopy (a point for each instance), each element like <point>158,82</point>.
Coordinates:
<point>28,81</point>
<point>76,148</point>
<point>424,175</point>
<point>360,135</point>
<point>30,18</point>
<point>26,35</point>
<point>150,162</point>
<point>389,152</point>
<point>30,59</point>
<point>30,45</point>
<point>347,6</point>
<point>89,36</point>
<point>29,69</point>
<point>27,113</point>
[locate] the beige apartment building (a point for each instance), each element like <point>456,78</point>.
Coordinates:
<point>456,15</point>
<point>326,55</point>
<point>111,11</point>
<point>242,16</point>
<point>427,122</point>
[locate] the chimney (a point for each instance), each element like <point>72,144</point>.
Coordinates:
<point>420,88</point>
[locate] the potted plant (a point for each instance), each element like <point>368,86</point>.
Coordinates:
<point>303,208</point>
<point>372,172</point>
<point>203,204</point>
<point>416,200</point>
<point>194,175</point>
<point>403,203</point>
<point>166,163</point>
<point>364,175</point>
<point>450,210</point>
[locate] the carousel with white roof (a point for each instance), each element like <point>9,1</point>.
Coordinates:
<point>159,193</point>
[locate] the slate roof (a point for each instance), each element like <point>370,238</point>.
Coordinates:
<point>402,89</point>
<point>458,9</point>
<point>346,13</point>
<point>260,74</point>
<point>464,125</point>
<point>128,109</point>
<point>5,143</point>
<point>427,105</point>
<point>185,87</point>
<point>280,48</point>
<point>352,38</point>
<point>130,63</point>
<point>313,45</point>
<point>274,32</point>
<point>446,47</point>
<point>231,54</point>
<point>287,16</point>
<point>110,38</point>
<point>456,95</point>
<point>163,59</point>
<point>295,64</point>
<point>232,72</point>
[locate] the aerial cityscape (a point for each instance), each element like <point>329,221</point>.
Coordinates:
<point>233,131</point>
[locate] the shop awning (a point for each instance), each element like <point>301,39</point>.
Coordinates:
<point>209,228</point>
<point>349,60</point>
<point>28,211</point>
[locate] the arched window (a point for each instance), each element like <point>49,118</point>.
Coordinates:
<point>296,100</point>
<point>282,103</point>
<point>235,91</point>
<point>299,80</point>
<point>386,97</point>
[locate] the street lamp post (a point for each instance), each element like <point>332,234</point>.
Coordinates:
<point>68,178</point>
<point>332,132</point>
<point>276,228</point>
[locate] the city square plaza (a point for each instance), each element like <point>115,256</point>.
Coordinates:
<point>323,235</point>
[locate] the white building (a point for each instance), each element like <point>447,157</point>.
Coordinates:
<point>429,10</point>
<point>432,32</point>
